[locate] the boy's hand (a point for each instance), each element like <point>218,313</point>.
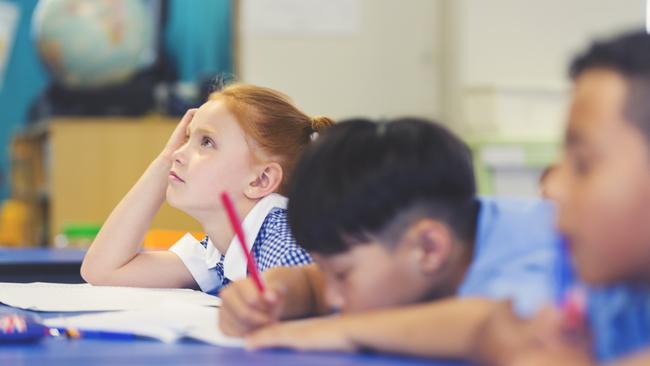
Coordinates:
<point>316,334</point>
<point>506,339</point>
<point>179,136</point>
<point>502,336</point>
<point>244,309</point>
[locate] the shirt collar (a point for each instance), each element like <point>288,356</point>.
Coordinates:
<point>235,264</point>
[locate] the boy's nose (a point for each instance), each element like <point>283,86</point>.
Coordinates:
<point>334,297</point>
<point>558,182</point>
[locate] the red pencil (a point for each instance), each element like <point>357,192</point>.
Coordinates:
<point>573,309</point>
<point>239,232</point>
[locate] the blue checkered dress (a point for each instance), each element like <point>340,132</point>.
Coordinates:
<point>274,246</point>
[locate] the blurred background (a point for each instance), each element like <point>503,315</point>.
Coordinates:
<point>91,89</point>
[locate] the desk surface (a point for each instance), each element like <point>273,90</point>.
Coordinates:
<point>41,265</point>
<point>62,351</point>
<point>95,352</point>
<point>40,256</point>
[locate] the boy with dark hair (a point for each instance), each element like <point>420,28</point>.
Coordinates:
<point>389,213</point>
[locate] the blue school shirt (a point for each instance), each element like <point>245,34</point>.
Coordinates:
<point>515,252</point>
<point>619,318</point>
<point>518,254</point>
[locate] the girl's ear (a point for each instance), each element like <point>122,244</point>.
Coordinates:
<point>267,181</point>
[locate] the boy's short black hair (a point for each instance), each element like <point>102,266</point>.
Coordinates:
<point>361,177</point>
<point>629,56</point>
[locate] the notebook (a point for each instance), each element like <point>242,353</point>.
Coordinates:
<point>58,297</point>
<point>168,323</point>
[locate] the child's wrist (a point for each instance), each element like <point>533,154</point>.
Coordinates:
<point>162,164</point>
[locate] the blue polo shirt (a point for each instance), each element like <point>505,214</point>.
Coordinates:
<point>619,317</point>
<point>515,253</point>
<point>518,253</point>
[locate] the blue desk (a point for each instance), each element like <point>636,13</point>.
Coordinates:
<point>125,353</point>
<point>61,351</point>
<point>40,265</point>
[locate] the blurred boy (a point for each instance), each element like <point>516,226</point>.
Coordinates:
<point>603,191</point>
<point>389,213</point>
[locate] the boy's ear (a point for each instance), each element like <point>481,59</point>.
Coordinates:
<point>432,244</point>
<point>266,181</point>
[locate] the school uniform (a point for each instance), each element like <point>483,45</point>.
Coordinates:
<point>515,253</point>
<point>619,320</point>
<point>268,237</point>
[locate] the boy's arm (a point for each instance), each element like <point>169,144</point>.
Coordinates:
<point>641,359</point>
<point>291,292</point>
<point>114,257</point>
<point>440,329</point>
<point>566,355</point>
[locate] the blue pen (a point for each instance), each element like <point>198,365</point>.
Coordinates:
<point>25,328</point>
<point>565,276</point>
<point>75,333</point>
<point>20,328</point>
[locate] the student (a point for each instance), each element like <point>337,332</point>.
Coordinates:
<point>603,191</point>
<point>244,140</point>
<point>390,215</point>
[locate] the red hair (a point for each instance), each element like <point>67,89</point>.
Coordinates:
<point>273,121</point>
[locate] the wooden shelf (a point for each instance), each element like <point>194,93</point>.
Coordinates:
<point>84,166</point>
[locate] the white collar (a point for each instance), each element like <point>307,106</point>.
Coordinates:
<point>235,263</point>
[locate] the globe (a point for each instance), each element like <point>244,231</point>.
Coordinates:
<point>93,44</point>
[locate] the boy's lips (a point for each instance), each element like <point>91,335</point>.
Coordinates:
<point>174,176</point>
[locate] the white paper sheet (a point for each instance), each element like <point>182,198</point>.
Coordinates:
<point>167,323</point>
<point>41,296</point>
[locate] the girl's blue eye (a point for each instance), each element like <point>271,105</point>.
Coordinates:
<point>207,142</point>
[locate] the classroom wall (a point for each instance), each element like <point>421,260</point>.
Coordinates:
<point>506,60</point>
<point>494,67</point>
<point>388,66</point>
<point>531,42</point>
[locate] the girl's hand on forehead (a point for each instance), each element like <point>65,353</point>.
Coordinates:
<point>179,135</point>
